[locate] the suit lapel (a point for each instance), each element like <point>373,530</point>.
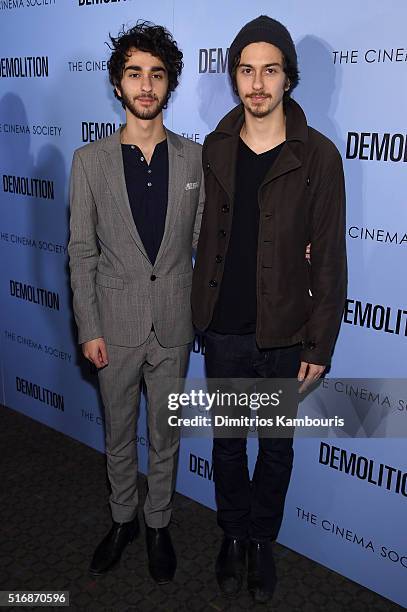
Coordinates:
<point>177,176</point>
<point>111,160</point>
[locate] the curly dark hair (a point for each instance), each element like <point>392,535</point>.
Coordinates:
<point>290,69</point>
<point>151,38</point>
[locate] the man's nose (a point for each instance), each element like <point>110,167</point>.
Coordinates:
<point>258,80</point>
<point>146,83</point>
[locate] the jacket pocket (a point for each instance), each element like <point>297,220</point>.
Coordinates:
<point>113,282</point>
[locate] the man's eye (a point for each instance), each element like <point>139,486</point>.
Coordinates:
<point>158,76</point>
<point>134,75</point>
<point>246,71</point>
<point>270,70</point>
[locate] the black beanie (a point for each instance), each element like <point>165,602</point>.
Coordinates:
<point>263,29</point>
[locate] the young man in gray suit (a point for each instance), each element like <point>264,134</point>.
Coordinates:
<point>136,205</point>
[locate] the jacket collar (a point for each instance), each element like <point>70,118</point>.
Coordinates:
<point>296,122</point>
<point>222,145</point>
<point>111,144</point>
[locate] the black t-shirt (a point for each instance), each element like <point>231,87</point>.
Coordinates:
<point>236,309</point>
<point>147,188</point>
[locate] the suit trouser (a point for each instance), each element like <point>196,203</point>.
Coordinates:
<point>253,508</point>
<point>120,388</point>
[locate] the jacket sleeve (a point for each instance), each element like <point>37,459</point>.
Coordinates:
<point>83,253</point>
<point>328,264</point>
<point>199,213</point>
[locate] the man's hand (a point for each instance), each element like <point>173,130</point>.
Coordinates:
<point>95,351</point>
<point>308,374</point>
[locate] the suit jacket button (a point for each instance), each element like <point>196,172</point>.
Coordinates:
<point>213,283</point>
<point>218,258</point>
<point>225,208</point>
<point>153,277</point>
<point>222,233</point>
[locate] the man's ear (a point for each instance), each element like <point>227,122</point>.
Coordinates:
<point>287,84</point>
<point>118,92</point>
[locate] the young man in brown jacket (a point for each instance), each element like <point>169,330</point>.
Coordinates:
<point>273,185</point>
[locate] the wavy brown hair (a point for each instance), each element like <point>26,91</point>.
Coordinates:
<point>151,38</point>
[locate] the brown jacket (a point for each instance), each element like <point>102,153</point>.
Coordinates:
<point>301,200</point>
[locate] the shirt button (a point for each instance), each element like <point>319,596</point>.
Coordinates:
<point>141,158</point>
<point>149,184</point>
<point>218,258</point>
<point>149,171</point>
<point>153,277</point>
<point>213,283</point>
<point>133,147</point>
<point>222,233</point>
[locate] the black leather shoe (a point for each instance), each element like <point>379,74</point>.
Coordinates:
<point>230,565</point>
<point>261,577</point>
<point>162,561</point>
<point>109,551</point>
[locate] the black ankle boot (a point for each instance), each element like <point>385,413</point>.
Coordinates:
<point>109,551</point>
<point>162,561</point>
<point>230,565</point>
<point>261,578</point>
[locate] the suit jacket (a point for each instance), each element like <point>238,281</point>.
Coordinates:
<point>118,294</point>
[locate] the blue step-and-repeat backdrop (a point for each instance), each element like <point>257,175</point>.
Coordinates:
<point>55,96</point>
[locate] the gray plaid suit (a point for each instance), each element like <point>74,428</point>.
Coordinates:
<point>141,310</point>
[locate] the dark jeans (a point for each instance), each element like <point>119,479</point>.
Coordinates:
<point>247,508</point>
